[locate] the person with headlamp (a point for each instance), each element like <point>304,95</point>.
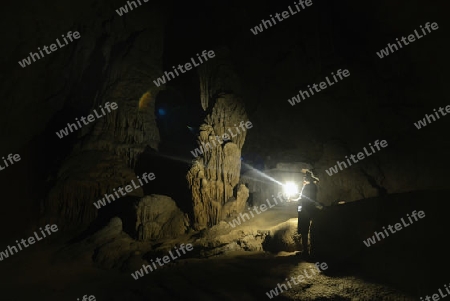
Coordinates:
<point>307,209</point>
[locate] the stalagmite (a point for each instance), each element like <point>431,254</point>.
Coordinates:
<point>215,175</point>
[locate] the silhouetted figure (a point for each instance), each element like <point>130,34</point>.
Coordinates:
<point>307,211</point>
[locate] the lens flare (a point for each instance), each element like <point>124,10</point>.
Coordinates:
<point>144,101</point>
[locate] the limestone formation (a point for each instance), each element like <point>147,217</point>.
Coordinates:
<point>283,237</point>
<point>217,75</point>
<point>105,152</point>
<point>215,175</point>
<point>222,238</point>
<point>157,216</point>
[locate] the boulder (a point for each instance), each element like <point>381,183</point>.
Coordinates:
<point>157,216</point>
<point>283,237</point>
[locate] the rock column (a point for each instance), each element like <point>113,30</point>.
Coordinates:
<point>214,176</point>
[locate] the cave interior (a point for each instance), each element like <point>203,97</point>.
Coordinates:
<point>157,147</point>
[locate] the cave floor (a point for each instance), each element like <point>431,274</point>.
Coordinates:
<point>35,275</point>
<point>238,276</point>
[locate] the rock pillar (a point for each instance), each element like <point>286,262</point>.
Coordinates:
<point>214,176</point>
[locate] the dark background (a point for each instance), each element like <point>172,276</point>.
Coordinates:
<point>381,99</point>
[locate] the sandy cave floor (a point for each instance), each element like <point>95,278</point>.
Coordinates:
<point>232,277</point>
<point>33,275</point>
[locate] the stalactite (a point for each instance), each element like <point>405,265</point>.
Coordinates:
<point>204,74</point>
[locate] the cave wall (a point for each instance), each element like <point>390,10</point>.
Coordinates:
<point>115,60</point>
<point>78,76</point>
<point>381,99</point>
<point>109,150</point>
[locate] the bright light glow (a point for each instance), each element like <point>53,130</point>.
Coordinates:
<point>290,189</point>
